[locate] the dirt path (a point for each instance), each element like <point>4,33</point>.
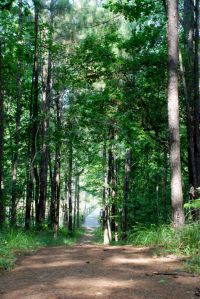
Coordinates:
<point>89,271</point>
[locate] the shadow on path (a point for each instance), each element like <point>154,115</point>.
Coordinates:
<point>89,271</point>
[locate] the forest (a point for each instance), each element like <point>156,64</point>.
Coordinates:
<point>101,98</point>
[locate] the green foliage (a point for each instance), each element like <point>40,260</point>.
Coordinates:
<point>183,241</point>
<point>98,235</point>
<point>194,204</point>
<point>18,242</point>
<point>193,265</point>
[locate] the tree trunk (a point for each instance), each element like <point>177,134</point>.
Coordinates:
<point>173,115</point>
<point>34,127</point>
<point>46,100</point>
<point>126,192</point>
<point>196,93</point>
<point>106,217</point>
<point>57,168</point>
<point>69,187</point>
<point>164,187</point>
<point>55,193</point>
<point>44,156</point>
<point>2,207</point>
<point>188,84</point>
<point>78,202</point>
<point>75,204</point>
<point>52,204</point>
<point>18,120</point>
<point>112,184</point>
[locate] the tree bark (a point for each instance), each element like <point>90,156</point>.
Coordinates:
<point>196,92</point>
<point>75,204</point>
<point>18,119</point>
<point>2,207</point>
<point>52,203</point>
<point>106,215</point>
<point>34,127</point>
<point>46,100</point>
<point>112,184</point>
<point>173,115</point>
<point>57,167</point>
<point>164,187</point>
<point>78,203</point>
<point>126,192</point>
<point>187,70</point>
<point>69,187</point>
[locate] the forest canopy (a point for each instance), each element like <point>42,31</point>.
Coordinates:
<point>100,98</point>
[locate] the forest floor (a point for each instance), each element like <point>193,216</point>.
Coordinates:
<point>88,271</point>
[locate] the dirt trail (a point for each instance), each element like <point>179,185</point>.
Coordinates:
<point>90,271</point>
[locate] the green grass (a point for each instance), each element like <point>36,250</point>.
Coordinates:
<point>98,236</point>
<point>17,242</point>
<point>167,240</point>
<point>183,241</point>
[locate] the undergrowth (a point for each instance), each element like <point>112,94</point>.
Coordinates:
<point>17,242</point>
<point>98,235</point>
<point>167,240</point>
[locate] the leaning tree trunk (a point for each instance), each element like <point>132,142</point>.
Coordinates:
<point>173,115</point>
<point>18,119</point>
<point>2,207</point>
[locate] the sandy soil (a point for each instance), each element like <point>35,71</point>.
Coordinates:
<point>90,271</point>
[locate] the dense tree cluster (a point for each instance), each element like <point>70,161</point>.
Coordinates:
<point>83,105</point>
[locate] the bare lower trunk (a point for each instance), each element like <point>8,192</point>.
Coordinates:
<point>52,205</point>
<point>69,187</point>
<point>105,216</point>
<point>126,191</point>
<point>75,205</point>
<point>106,226</point>
<point>29,196</point>
<point>56,191</point>
<point>173,115</point>
<point>78,202</point>
<point>112,185</point>
<point>164,187</point>
<point>2,207</point>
